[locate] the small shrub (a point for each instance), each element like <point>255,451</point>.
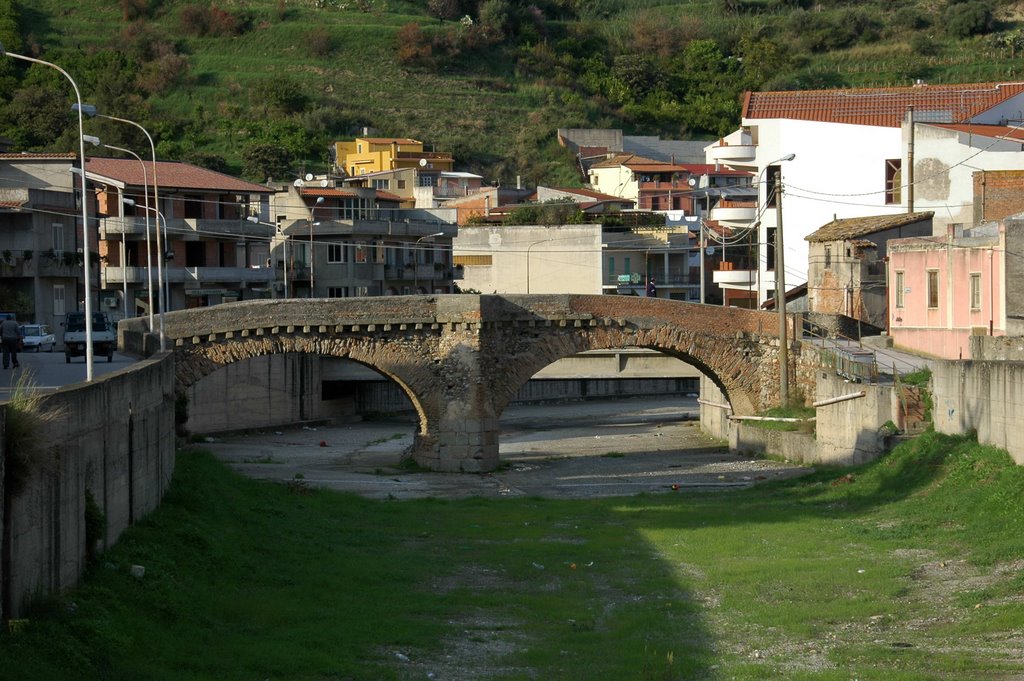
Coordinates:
<point>134,9</point>
<point>319,43</point>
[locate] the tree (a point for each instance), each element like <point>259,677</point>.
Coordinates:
<point>262,161</point>
<point>443,9</point>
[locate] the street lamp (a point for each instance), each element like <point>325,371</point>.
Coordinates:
<point>416,261</point>
<point>284,240</point>
<point>780,285</point>
<point>85,211</point>
<point>90,110</point>
<point>312,216</point>
<point>528,249</point>
<point>149,256</point>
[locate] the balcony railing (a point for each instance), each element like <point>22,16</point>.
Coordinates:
<point>732,152</point>
<point>244,275</point>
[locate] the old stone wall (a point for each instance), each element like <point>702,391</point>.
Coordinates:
<point>983,396</point>
<point>112,438</point>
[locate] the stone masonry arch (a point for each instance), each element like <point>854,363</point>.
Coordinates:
<point>461,358</point>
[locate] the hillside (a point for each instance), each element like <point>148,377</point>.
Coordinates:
<point>260,88</point>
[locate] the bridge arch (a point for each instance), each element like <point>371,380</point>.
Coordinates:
<point>461,358</point>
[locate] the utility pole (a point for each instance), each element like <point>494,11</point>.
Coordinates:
<point>780,293</point>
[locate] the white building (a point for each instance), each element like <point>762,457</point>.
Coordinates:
<point>849,150</point>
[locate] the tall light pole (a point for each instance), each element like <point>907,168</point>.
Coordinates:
<point>284,240</point>
<point>149,255</point>
<point>780,286</point>
<point>85,212</point>
<point>312,216</point>
<point>90,110</point>
<point>416,261</point>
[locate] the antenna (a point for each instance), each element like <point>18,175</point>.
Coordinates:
<point>324,183</point>
<point>297,183</point>
<point>309,177</point>
<point>423,163</point>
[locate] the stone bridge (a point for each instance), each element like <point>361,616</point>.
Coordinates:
<point>462,358</point>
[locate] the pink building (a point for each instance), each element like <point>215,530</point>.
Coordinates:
<point>945,289</point>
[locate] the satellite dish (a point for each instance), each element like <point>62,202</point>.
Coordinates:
<point>423,163</point>
<point>710,250</point>
<point>297,183</point>
<point>324,183</point>
<point>692,181</point>
<point>309,177</point>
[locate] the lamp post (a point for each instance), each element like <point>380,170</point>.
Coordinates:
<point>780,285</point>
<point>528,249</point>
<point>416,261</point>
<point>312,215</point>
<point>149,255</point>
<point>90,110</point>
<point>85,212</point>
<point>284,240</point>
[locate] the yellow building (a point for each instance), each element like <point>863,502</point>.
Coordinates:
<point>365,155</point>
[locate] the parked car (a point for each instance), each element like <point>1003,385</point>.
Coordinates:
<point>104,336</point>
<point>38,337</point>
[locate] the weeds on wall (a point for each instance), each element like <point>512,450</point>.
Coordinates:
<point>25,446</point>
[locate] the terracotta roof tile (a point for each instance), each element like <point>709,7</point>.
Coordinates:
<point>64,156</point>
<point>170,175</point>
<point>591,194</point>
<point>389,140</point>
<point>881,106</point>
<point>994,131</point>
<point>624,160</point>
<point>11,204</point>
<point>851,228</point>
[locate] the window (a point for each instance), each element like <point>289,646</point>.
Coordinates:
<point>401,184</point>
<point>363,291</point>
<point>360,252</point>
<point>828,257</point>
<point>359,148</point>
<point>337,292</point>
<point>611,265</point>
<point>379,252</point>
<point>193,207</point>
<point>975,291</point>
<point>58,239</point>
<point>769,250</point>
<point>336,253</point>
<point>625,266</point>
<point>382,184</point>
<point>893,180</point>
<point>58,300</point>
<point>427,180</point>
<point>195,254</point>
<point>933,289</point>
<point>900,289</point>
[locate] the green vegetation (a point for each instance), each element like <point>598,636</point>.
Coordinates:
<point>907,568</point>
<point>262,87</point>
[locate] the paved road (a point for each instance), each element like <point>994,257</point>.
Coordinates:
<point>49,371</point>
<point>572,450</point>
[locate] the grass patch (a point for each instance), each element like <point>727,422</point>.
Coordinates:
<point>907,568</point>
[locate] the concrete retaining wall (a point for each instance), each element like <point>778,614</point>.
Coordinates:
<point>987,397</point>
<point>114,438</point>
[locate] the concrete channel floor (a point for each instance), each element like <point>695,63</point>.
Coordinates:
<point>567,450</point>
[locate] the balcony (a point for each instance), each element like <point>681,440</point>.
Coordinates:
<point>241,275</point>
<point>135,275</point>
<point>119,227</point>
<point>736,212</point>
<point>732,153</point>
<point>727,275</point>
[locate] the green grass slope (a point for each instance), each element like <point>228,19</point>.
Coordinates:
<point>907,568</point>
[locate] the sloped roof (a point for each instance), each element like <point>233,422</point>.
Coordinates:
<point>67,156</point>
<point>881,106</point>
<point>591,194</point>
<point>993,131</point>
<point>851,228</point>
<point>628,160</point>
<point>170,175</point>
<point>712,169</point>
<point>389,140</point>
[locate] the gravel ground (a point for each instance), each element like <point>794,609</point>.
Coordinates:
<point>571,450</point>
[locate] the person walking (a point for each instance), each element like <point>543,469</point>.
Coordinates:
<point>10,337</point>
